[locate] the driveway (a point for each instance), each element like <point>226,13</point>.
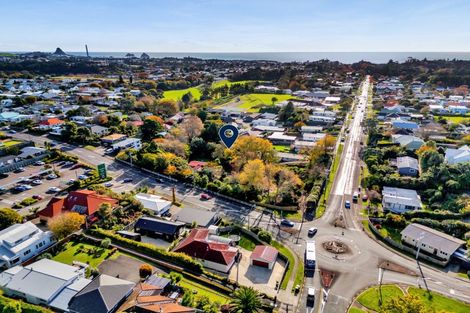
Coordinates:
<point>124,267</point>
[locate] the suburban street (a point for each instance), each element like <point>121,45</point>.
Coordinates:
<point>358,268</point>
<point>354,270</point>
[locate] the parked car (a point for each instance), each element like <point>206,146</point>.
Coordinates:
<point>53,190</point>
<point>312,231</point>
<point>24,180</point>
<point>108,184</point>
<point>19,170</point>
<point>37,197</point>
<point>287,223</point>
<point>109,151</point>
<point>205,196</point>
<point>3,175</point>
<point>311,295</point>
<point>52,176</point>
<point>37,182</point>
<point>69,163</point>
<point>82,177</point>
<point>26,187</point>
<point>11,131</point>
<point>347,204</point>
<point>2,190</point>
<point>127,180</point>
<point>70,182</point>
<point>39,163</point>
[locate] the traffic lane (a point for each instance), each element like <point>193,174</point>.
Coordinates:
<point>8,199</point>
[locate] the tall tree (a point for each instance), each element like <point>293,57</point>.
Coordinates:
<point>250,148</point>
<point>192,126</point>
<point>245,300</point>
<point>65,224</point>
<point>9,217</point>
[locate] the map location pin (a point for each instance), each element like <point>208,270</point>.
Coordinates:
<point>228,134</point>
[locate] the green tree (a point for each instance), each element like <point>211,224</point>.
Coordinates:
<point>12,306</point>
<point>265,236</point>
<point>145,270</point>
<point>429,159</point>
<point>405,304</point>
<point>188,299</point>
<point>150,129</point>
<point>69,131</point>
<point>175,277</point>
<point>104,210</point>
<point>9,217</point>
<point>273,100</point>
<point>245,300</point>
<point>286,112</point>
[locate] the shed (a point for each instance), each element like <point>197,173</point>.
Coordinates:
<point>264,256</point>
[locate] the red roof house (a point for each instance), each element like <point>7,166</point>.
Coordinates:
<point>197,165</point>
<point>86,202</point>
<point>264,256</point>
<point>208,250</point>
<point>50,122</point>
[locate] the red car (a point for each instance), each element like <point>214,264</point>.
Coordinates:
<point>38,197</point>
<point>205,196</point>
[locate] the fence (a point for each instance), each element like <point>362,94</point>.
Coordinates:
<point>26,162</point>
<point>404,248</point>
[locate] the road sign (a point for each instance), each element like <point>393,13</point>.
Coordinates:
<point>102,170</point>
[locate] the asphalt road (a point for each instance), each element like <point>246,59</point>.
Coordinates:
<point>359,268</point>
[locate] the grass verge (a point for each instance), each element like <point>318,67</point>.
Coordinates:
<point>438,302</point>
<point>286,252</point>
<point>370,297</point>
<point>325,195</point>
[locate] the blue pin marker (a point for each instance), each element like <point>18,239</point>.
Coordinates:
<point>228,134</point>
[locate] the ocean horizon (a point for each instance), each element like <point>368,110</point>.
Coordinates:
<point>343,57</point>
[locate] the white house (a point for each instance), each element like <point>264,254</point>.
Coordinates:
<point>134,143</point>
<point>312,137</point>
<point>263,122</point>
<point>154,203</point>
<point>460,155</point>
<point>21,242</point>
<point>399,200</point>
<point>45,282</point>
<point>407,141</point>
<point>458,109</point>
<point>433,242</point>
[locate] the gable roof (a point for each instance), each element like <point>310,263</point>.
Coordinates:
<point>460,155</point>
<point>158,225</point>
<point>264,253</point>
<point>201,217</point>
<point>81,201</point>
<point>51,121</point>
<point>165,308</point>
<point>198,245</point>
<point>407,161</point>
<point>101,295</point>
<point>407,197</point>
<point>433,238</point>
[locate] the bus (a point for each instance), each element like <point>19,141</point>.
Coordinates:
<point>310,257</point>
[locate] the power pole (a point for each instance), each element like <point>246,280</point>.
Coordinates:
<point>302,206</point>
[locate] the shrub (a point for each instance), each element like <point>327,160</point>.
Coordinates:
<point>105,243</point>
<point>179,259</point>
<point>9,217</point>
<point>145,270</point>
<point>265,236</point>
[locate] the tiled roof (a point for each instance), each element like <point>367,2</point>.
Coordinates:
<point>265,253</point>
<point>196,245</point>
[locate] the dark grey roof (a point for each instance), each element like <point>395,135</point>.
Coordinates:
<point>407,162</point>
<point>157,225</point>
<point>190,215</point>
<point>101,295</point>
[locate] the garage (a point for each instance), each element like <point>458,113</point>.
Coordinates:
<point>264,256</point>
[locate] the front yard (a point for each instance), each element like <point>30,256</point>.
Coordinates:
<point>201,290</point>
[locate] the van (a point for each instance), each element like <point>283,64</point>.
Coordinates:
<point>311,295</point>
<point>355,196</point>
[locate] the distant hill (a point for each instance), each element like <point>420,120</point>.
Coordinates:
<point>59,51</point>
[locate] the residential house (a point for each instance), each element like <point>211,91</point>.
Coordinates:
<point>202,218</point>
<point>409,142</point>
<point>112,139</point>
<point>154,203</point>
<point>129,143</point>
<point>311,129</point>
<point>264,256</point>
<point>456,156</point>
<point>321,119</point>
<point>21,242</point>
<point>160,304</point>
<point>104,294</point>
<point>312,137</point>
<point>50,123</point>
<point>86,202</point>
<point>430,241</point>
<point>154,227</point>
<point>212,251</point>
<point>407,166</point>
<point>99,131</point>
<point>402,124</point>
<point>400,200</point>
<point>263,122</point>
<point>45,282</point>
<point>279,138</point>
<point>458,109</point>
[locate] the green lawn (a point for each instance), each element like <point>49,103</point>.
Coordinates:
<point>454,119</point>
<point>326,193</point>
<point>291,215</point>
<point>70,253</point>
<point>356,310</point>
<point>440,303</point>
<point>201,290</point>
<point>9,143</point>
<point>280,148</point>
<point>246,242</point>
<point>178,94</point>
<point>291,259</point>
<point>393,233</point>
<point>251,102</point>
<point>229,83</point>
<point>370,297</point>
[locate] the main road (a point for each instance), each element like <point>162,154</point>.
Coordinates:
<point>359,267</point>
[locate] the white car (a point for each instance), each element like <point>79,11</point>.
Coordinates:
<point>108,184</point>
<point>37,182</point>
<point>82,177</point>
<point>70,181</point>
<point>39,163</point>
<point>27,187</point>
<point>53,189</point>
<point>51,176</point>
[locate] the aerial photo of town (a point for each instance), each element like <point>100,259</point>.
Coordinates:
<point>170,157</point>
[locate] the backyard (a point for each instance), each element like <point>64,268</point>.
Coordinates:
<point>85,253</point>
<point>252,102</point>
<point>201,290</point>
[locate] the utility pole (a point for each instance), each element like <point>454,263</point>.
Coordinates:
<point>418,242</point>
<point>302,206</point>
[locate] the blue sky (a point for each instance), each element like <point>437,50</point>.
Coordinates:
<point>235,25</point>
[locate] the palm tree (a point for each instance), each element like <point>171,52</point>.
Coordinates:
<point>246,300</point>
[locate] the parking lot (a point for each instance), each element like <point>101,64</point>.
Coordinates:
<point>12,196</point>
